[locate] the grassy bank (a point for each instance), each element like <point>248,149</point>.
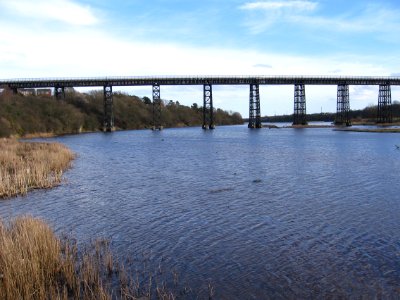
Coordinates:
<point>25,166</point>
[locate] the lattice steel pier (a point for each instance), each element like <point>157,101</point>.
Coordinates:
<point>59,92</point>
<point>208,109</point>
<point>343,105</point>
<point>299,116</point>
<point>254,107</point>
<point>108,124</point>
<point>384,104</point>
<point>157,121</point>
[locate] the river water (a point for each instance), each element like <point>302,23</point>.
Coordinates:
<point>258,214</point>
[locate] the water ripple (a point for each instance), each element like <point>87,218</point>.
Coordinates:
<point>266,214</point>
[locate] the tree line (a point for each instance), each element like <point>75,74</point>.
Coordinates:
<point>367,114</point>
<point>83,112</point>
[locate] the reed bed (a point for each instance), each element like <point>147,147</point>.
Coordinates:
<point>37,264</point>
<point>26,165</point>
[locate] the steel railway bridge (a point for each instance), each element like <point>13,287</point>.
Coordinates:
<point>299,82</point>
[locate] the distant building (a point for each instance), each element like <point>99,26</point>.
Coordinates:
<point>43,92</point>
<point>27,92</point>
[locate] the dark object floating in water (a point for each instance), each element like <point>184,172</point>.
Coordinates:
<point>257,180</point>
<point>397,147</point>
<point>221,190</point>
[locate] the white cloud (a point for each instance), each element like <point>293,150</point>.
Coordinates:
<point>80,52</point>
<point>277,5</point>
<point>263,14</point>
<point>263,66</point>
<point>65,11</point>
<point>373,18</point>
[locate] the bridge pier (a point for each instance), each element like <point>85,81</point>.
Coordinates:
<point>108,124</point>
<point>343,105</point>
<point>59,92</point>
<point>254,107</point>
<point>157,107</point>
<point>299,115</point>
<point>208,109</point>
<point>384,104</point>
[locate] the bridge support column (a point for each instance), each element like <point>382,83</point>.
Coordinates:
<point>254,107</point>
<point>59,92</point>
<point>299,116</point>
<point>385,104</point>
<point>108,124</point>
<point>343,105</point>
<point>208,109</point>
<point>157,107</point>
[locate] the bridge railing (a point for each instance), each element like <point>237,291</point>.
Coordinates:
<point>200,79</point>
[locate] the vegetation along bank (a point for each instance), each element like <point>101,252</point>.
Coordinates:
<point>37,264</point>
<point>84,112</point>
<point>25,166</point>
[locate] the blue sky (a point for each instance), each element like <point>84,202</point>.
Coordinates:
<point>74,38</point>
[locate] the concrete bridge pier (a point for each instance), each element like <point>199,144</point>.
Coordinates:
<point>59,92</point>
<point>108,123</point>
<point>384,104</point>
<point>254,107</point>
<point>157,121</point>
<point>208,109</point>
<point>299,115</point>
<point>343,105</point>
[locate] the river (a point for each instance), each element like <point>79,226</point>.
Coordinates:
<point>258,214</point>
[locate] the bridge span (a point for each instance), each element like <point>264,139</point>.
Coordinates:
<point>299,82</point>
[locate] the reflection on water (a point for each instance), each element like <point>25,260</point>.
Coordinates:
<point>269,213</point>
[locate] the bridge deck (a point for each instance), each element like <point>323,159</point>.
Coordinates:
<point>197,80</point>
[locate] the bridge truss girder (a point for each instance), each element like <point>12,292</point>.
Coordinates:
<point>157,121</point>
<point>198,80</point>
<point>59,92</point>
<point>343,105</point>
<point>385,104</point>
<point>254,107</point>
<point>108,123</point>
<point>208,108</point>
<point>299,115</point>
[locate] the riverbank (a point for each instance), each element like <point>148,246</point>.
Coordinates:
<point>310,126</point>
<point>25,166</point>
<point>379,130</point>
<point>370,123</point>
<point>273,126</point>
<point>24,116</point>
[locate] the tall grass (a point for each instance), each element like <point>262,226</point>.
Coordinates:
<point>37,264</point>
<point>25,166</point>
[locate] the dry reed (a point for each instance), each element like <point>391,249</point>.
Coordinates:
<point>25,166</point>
<point>37,264</point>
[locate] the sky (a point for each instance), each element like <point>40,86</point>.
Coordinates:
<point>96,38</point>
